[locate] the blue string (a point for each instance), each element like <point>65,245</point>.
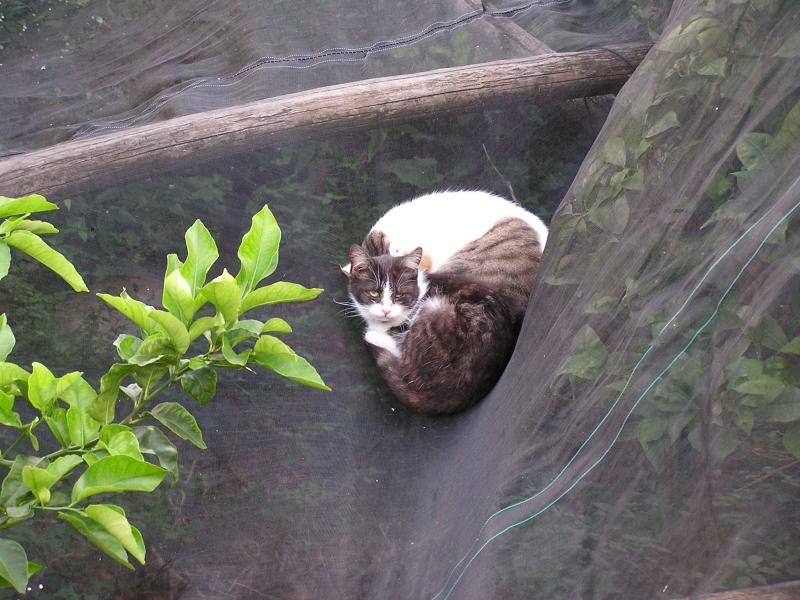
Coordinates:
<point>622,392</point>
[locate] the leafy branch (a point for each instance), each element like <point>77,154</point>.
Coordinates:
<point>201,329</point>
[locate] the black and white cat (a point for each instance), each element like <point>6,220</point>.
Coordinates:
<point>442,283</point>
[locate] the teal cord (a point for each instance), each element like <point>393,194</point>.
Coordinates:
<point>622,392</point>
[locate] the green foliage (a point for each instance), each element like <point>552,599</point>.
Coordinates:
<point>97,453</point>
<point>17,231</point>
<point>732,398</point>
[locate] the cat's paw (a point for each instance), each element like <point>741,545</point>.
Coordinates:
<point>382,339</point>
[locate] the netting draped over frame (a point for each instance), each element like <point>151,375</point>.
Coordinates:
<point>101,68</point>
<point>645,437</point>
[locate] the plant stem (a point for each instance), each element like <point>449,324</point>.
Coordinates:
<point>65,451</point>
<point>21,437</point>
<point>57,508</point>
<point>147,395</point>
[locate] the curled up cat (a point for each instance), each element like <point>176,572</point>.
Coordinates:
<point>443,315</point>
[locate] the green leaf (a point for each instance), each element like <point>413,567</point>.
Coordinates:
<point>173,327</point>
<point>600,305</point>
<point>724,443</point>
<point>14,564</point>
<point>234,358</point>
<point>715,68</point>
<point>153,349</point>
<point>61,466</point>
<point>665,123</point>
<point>200,384</point>
<point>419,172</point>
<point>652,428</point>
<point>28,431</point>
<point>42,388</point>
<point>276,325</point>
<point>75,391</point>
<point>201,254</point>
<point>7,414</point>
<point>588,355</point>
<point>104,406</point>
<point>791,347</point>
<point>224,293</point>
<point>27,204</point>
<point>272,353</point>
<point>83,428</point>
<point>98,535</point>
<point>32,245</point>
<point>112,518</point>
<point>33,568</point>
<point>153,441</point>
<point>678,424</point>
<point>5,259</point>
<point>9,373</point>
<point>246,329</point>
<point>611,216</point>
<point>37,227</point>
<point>177,297</point>
<point>682,37</point>
<point>276,293</point>
<point>126,345</point>
<point>791,441</point>
<point>112,429</point>
<point>760,385</point>
<point>768,332</point>
<point>39,482</point>
<point>13,487</point>
<point>751,149</point>
<point>745,419</point>
<point>7,339</point>
<point>635,181</point>
<point>117,474</point>
<point>136,311</point>
<point>201,325</point>
<point>57,422</point>
<point>179,421</point>
<point>258,251</point>
<point>613,152</point>
<point>789,133</point>
<point>123,443</point>
<point>784,409</point>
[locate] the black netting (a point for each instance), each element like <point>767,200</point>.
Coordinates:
<point>643,441</point>
<point>103,67</point>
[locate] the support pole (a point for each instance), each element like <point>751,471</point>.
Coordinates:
<point>144,150</point>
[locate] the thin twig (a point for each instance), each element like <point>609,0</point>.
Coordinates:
<point>496,170</point>
<point>770,474</point>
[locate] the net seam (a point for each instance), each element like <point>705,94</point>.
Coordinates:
<point>315,59</point>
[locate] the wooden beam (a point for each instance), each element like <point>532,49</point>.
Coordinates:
<point>781,591</point>
<point>139,151</point>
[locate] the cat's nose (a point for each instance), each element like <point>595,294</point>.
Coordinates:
<point>386,311</point>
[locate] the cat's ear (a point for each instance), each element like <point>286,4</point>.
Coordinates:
<point>411,260</point>
<point>358,260</point>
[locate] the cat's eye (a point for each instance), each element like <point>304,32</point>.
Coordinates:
<point>399,295</point>
<point>373,294</point>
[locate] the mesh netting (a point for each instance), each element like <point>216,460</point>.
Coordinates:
<point>644,439</point>
<point>104,67</point>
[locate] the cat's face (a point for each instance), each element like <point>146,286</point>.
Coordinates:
<point>384,288</point>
